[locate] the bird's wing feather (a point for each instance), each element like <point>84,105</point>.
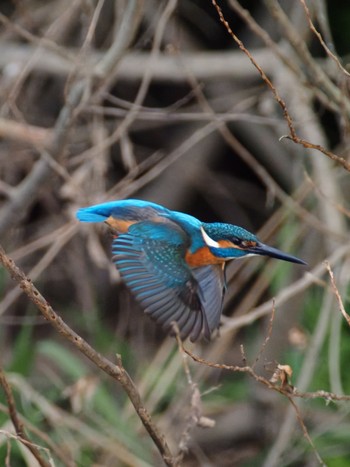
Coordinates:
<point>211,280</point>
<point>151,260</point>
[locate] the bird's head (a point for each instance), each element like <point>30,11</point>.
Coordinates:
<point>228,241</point>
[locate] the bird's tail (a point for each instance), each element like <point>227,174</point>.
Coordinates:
<point>97,213</point>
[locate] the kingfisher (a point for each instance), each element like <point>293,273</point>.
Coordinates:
<point>173,263</point>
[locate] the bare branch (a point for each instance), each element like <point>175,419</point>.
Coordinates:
<point>322,42</point>
<point>117,372</point>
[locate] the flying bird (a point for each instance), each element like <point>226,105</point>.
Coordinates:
<point>173,263</point>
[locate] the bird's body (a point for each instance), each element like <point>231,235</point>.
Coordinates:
<point>173,263</point>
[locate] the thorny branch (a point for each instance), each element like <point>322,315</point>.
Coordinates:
<point>117,371</point>
<point>286,390</point>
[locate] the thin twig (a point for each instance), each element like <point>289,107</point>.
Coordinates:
<point>269,333</point>
<point>322,42</point>
<point>319,78</point>
<point>39,41</point>
<point>285,390</point>
<point>304,430</point>
<point>337,294</point>
<point>17,422</point>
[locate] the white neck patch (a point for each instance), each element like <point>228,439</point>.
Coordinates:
<point>209,241</point>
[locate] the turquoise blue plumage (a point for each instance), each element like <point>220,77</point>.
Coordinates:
<point>173,263</point>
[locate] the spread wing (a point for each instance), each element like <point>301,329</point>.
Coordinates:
<point>151,259</point>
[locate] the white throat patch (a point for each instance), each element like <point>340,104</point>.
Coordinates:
<point>209,241</point>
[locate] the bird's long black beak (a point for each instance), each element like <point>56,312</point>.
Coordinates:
<point>265,250</point>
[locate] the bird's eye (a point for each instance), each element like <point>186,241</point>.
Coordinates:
<point>248,243</point>
<point>240,243</point>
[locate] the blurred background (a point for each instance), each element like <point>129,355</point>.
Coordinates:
<point>104,100</point>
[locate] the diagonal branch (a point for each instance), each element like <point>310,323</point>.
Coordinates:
<point>117,371</point>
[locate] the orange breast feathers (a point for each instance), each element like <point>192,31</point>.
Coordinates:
<point>202,257</point>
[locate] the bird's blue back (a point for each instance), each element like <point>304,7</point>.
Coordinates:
<point>126,209</point>
<point>139,210</point>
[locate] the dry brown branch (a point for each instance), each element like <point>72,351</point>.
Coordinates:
<point>264,36</point>
<point>322,42</point>
<point>17,422</point>
<point>293,135</point>
<point>284,389</point>
<point>338,159</point>
<point>117,371</point>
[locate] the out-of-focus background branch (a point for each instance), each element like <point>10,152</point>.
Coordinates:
<point>106,99</point>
